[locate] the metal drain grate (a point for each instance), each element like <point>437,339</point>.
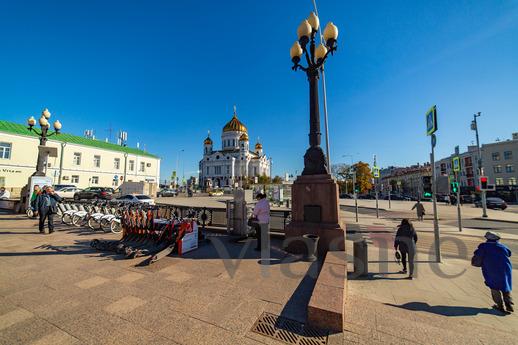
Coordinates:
<point>289,331</point>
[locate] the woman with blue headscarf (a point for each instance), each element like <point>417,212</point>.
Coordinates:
<point>497,270</point>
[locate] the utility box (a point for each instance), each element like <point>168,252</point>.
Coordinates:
<point>147,188</point>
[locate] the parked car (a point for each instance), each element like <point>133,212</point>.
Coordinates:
<point>104,193</point>
<point>346,196</point>
<point>61,186</point>
<point>136,198</point>
<point>216,192</point>
<point>68,192</point>
<point>492,203</point>
<point>167,192</point>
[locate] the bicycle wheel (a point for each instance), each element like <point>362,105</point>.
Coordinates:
<point>93,224</point>
<point>116,226</point>
<point>67,219</point>
<point>78,220</point>
<point>105,225</point>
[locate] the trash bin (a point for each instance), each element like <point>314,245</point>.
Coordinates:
<point>311,246</point>
<point>361,258</point>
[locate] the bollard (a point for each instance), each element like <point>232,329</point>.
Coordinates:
<point>361,258</point>
<point>311,246</point>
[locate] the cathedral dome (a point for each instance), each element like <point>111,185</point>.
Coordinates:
<point>258,146</point>
<point>208,141</point>
<point>243,137</point>
<point>235,125</point>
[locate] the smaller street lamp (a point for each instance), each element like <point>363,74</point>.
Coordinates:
<point>43,135</point>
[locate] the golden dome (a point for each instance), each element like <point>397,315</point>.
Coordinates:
<point>258,146</point>
<point>243,137</point>
<point>207,141</point>
<point>235,125</point>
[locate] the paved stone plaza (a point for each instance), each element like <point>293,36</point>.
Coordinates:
<point>54,289</point>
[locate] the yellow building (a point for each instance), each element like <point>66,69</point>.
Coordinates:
<point>80,161</point>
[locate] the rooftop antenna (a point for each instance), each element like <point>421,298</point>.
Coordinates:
<point>109,130</point>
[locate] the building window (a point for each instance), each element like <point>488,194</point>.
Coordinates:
<point>508,155</point>
<point>208,170</point>
<point>497,169</point>
<point>95,180</point>
<point>233,142</point>
<point>142,166</point>
<point>496,156</point>
<point>217,170</point>
<point>97,161</point>
<point>77,158</point>
<point>131,165</point>
<point>74,179</point>
<point>5,150</point>
<point>499,181</point>
<point>117,163</point>
<point>255,171</point>
<point>512,181</point>
<point>509,168</point>
<point>228,169</point>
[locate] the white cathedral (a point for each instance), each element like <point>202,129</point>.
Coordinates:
<point>235,161</point>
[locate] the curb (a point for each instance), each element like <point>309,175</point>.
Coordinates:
<point>497,220</point>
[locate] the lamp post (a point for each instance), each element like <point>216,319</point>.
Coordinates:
<point>314,160</point>
<point>43,135</point>
<point>474,127</point>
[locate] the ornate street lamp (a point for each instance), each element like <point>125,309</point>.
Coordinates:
<point>314,159</point>
<point>43,135</point>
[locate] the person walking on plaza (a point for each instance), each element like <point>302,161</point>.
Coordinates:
<point>494,258</point>
<point>34,196</point>
<point>46,204</point>
<point>419,208</point>
<point>405,241</point>
<point>447,199</point>
<point>262,217</point>
<point>4,193</point>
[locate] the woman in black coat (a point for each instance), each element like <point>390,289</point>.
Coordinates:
<point>405,241</point>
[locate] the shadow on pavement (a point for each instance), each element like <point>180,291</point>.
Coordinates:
<point>447,310</point>
<point>375,276</point>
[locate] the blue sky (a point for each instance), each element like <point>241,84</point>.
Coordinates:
<point>167,71</point>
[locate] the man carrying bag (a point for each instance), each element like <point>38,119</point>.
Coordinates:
<point>47,206</point>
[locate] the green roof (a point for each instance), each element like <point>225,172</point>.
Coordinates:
<point>15,128</point>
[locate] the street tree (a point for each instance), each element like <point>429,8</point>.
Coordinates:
<point>363,177</point>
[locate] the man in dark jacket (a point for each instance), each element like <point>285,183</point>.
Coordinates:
<point>405,241</point>
<point>497,270</point>
<point>46,204</point>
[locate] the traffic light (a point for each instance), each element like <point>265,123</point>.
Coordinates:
<point>454,187</point>
<point>483,182</point>
<point>427,186</point>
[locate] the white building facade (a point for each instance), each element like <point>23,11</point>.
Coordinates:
<point>80,161</point>
<point>235,162</point>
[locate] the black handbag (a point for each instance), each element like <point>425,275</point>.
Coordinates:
<point>476,261</point>
<point>251,221</point>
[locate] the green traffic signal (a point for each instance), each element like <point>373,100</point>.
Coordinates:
<point>428,195</point>
<point>454,187</point>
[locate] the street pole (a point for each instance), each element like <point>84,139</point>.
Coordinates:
<point>389,189</point>
<point>434,199</point>
<point>376,189</point>
<point>458,201</point>
<point>355,195</point>
<point>480,169</point>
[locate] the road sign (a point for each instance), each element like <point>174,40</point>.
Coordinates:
<point>375,172</point>
<point>456,163</point>
<point>431,121</point>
